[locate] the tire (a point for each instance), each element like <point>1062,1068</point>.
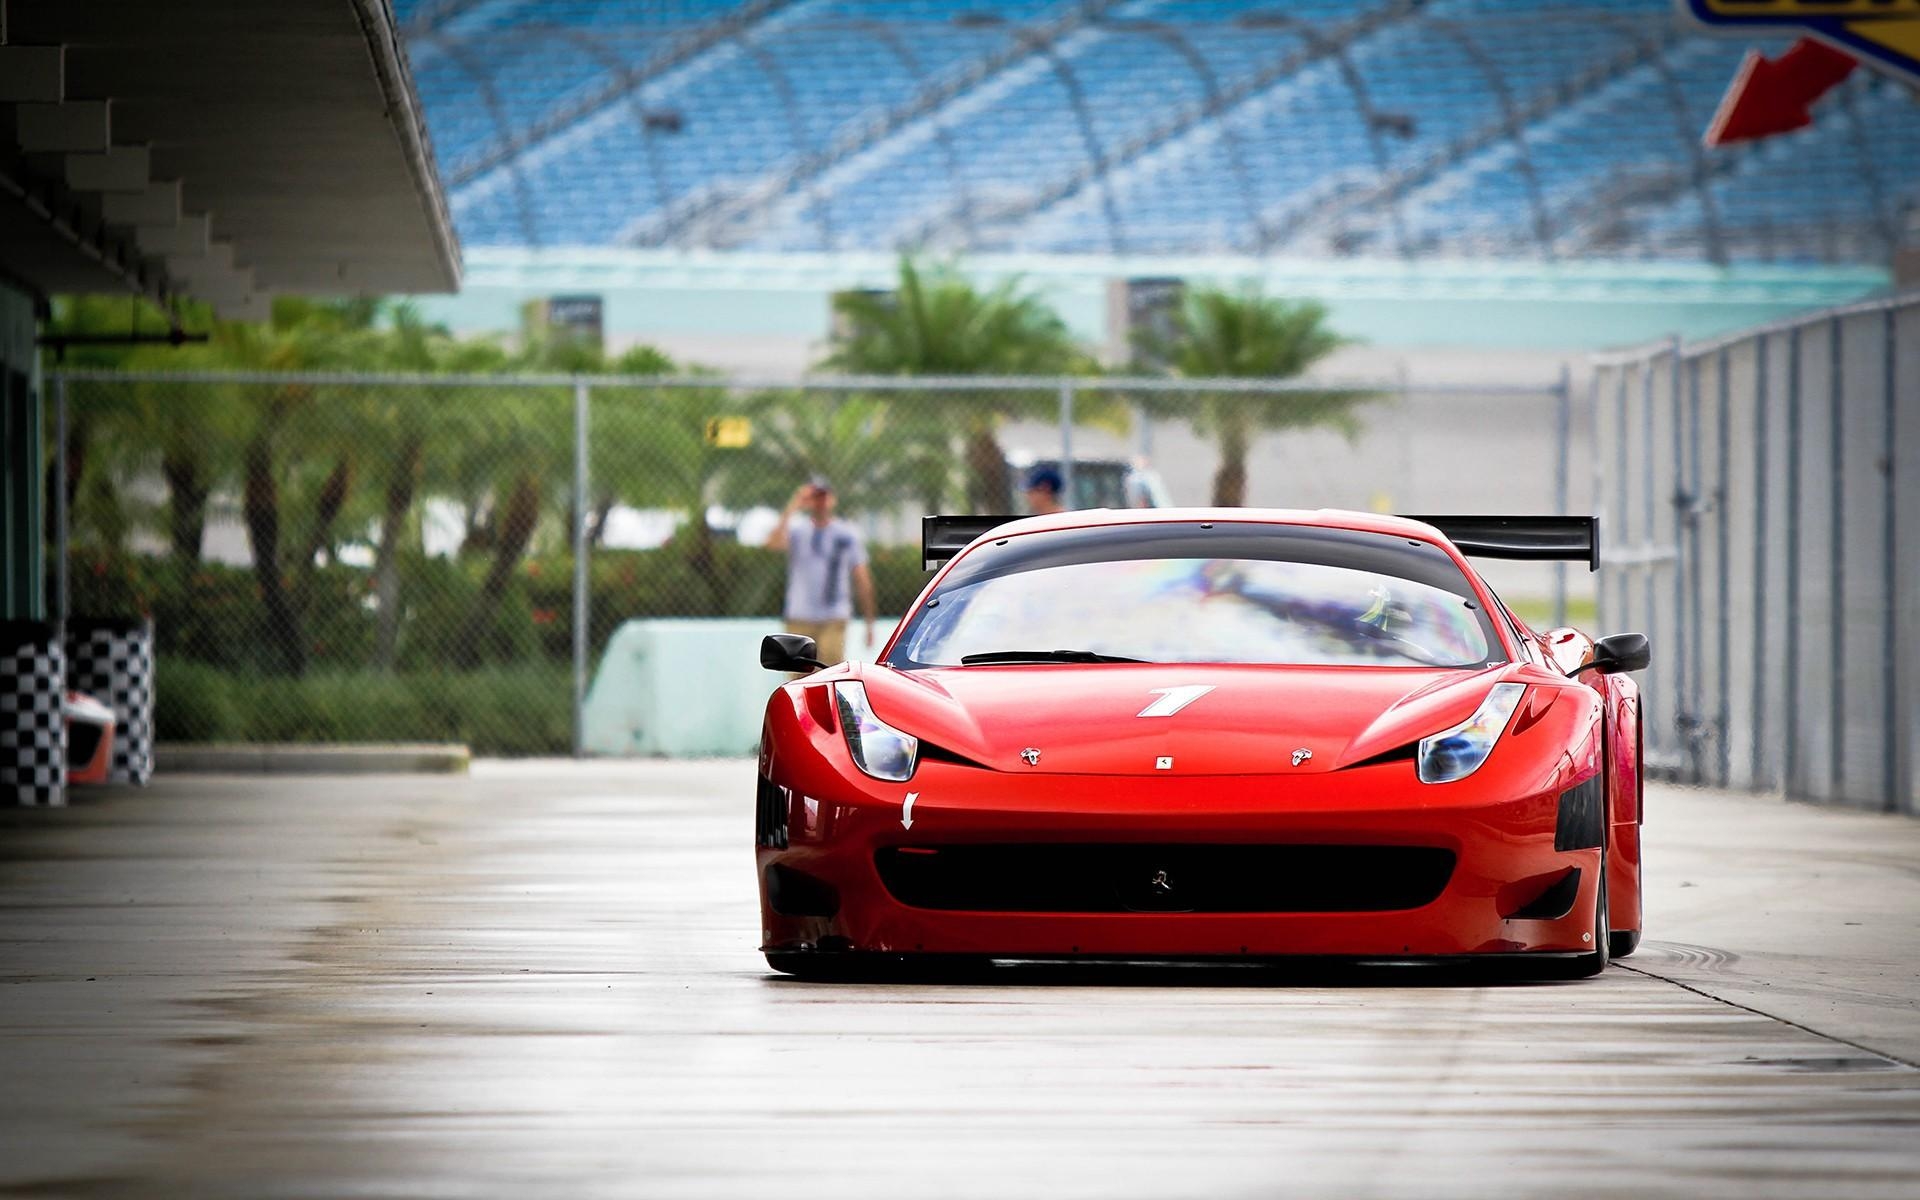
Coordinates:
<point>1586,966</point>
<point>807,964</point>
<point>1622,942</point>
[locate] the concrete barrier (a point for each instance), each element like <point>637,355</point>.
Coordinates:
<point>269,758</point>
<point>689,688</point>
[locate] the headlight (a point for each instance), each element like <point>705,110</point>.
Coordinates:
<point>1458,752</point>
<point>878,748</point>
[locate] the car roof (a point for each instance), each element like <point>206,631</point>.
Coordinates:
<point>1319,518</point>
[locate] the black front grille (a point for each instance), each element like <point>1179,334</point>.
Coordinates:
<point>1078,877</point>
<point>771,802</point>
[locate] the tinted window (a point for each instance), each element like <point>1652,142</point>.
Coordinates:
<point>1238,592</point>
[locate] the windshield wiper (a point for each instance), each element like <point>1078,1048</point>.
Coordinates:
<point>1070,656</point>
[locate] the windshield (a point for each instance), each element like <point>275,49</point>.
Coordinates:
<point>1319,597</point>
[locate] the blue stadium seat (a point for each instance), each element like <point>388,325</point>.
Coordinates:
<point>1317,127</point>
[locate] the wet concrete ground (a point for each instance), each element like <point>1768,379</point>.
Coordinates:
<point>541,981</point>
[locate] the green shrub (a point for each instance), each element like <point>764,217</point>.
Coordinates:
<point>220,677</point>
<point>522,710</point>
<point>210,614</point>
<point>194,703</point>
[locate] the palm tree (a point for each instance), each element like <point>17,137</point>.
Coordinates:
<point>126,425</point>
<point>936,322</point>
<point>1247,335</point>
<point>667,460</point>
<point>519,455</point>
<point>523,453</point>
<point>403,427</point>
<point>303,335</point>
<point>852,440</point>
<point>621,419</point>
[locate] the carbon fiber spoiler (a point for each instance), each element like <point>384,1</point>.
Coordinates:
<point>1540,539</point>
<point>943,537</point>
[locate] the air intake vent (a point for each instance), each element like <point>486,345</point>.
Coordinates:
<point>771,802</point>
<point>1583,813</point>
<point>1080,877</point>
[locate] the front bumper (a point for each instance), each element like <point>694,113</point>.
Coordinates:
<point>821,889</point>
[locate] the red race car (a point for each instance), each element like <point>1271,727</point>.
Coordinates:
<point>90,730</point>
<point>1208,734</point>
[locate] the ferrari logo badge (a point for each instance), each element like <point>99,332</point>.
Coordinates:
<point>1301,755</point>
<point>1160,886</point>
<point>1032,756</point>
<point>1163,763</point>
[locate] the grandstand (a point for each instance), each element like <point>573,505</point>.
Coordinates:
<point>1484,129</point>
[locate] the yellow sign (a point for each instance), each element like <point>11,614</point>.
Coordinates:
<point>729,433</point>
<point>1881,33</point>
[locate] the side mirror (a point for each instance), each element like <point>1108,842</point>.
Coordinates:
<point>791,652</point>
<point>1620,653</point>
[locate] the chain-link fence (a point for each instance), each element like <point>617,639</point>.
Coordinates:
<point>1756,494</point>
<point>380,558</point>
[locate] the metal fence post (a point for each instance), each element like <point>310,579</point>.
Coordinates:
<point>1681,502</point>
<point>1723,589</point>
<point>61,530</point>
<point>581,396</point>
<point>1691,560</point>
<point>1790,698</point>
<point>1889,563</point>
<point>1837,569</point>
<point>1623,572</point>
<point>1761,371</point>
<point>1563,434</point>
<point>1598,485</point>
<point>1649,566</point>
<point>1066,441</point>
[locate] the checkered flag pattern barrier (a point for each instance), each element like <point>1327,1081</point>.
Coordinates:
<point>33,733</point>
<point>112,661</point>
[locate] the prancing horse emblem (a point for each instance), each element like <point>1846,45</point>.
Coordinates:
<point>1160,886</point>
<point>1031,755</point>
<point>1301,755</point>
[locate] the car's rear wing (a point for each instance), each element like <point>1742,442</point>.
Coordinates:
<point>1551,539</point>
<point>943,537</point>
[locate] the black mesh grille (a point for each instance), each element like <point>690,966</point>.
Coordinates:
<point>1075,877</point>
<point>770,814</point>
<point>1583,812</point>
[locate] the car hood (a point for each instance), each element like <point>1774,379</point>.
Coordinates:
<point>1088,719</point>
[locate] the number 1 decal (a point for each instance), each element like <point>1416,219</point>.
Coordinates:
<point>1173,699</point>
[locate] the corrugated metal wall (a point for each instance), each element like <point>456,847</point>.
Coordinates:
<point>1760,502</point>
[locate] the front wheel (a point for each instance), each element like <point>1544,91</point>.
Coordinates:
<point>1586,966</point>
<point>1623,942</point>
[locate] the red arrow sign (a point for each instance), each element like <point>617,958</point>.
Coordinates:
<point>1770,96</point>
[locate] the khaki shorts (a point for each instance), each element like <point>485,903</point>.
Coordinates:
<point>829,636</point>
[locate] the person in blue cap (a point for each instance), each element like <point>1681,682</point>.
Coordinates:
<point>1044,486</point>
